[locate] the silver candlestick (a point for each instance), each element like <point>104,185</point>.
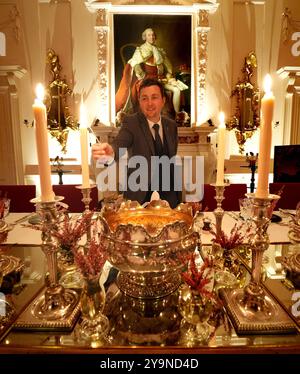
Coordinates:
<point>55,307</point>
<point>219,211</point>
<point>252,309</point>
<point>86,199</point>
<point>254,297</point>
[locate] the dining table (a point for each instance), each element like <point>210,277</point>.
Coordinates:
<point>140,326</point>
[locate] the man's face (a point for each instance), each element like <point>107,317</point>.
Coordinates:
<point>150,36</point>
<point>151,102</point>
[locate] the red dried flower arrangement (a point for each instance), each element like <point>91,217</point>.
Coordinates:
<point>198,277</point>
<point>68,230</point>
<point>71,229</point>
<point>240,233</point>
<point>90,260</point>
<point>196,207</point>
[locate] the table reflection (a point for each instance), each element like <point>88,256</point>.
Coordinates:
<point>147,323</point>
<point>24,277</point>
<point>274,275</point>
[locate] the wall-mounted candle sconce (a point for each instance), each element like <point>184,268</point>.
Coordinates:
<point>246,117</point>
<point>59,119</point>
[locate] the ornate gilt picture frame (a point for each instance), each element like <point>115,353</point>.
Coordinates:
<point>175,57</point>
<point>107,48</point>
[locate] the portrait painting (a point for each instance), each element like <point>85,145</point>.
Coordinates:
<point>158,47</point>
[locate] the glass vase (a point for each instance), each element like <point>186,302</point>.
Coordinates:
<point>196,311</point>
<point>69,275</point>
<point>94,325</point>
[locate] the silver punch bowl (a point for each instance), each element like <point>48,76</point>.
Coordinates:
<point>148,245</point>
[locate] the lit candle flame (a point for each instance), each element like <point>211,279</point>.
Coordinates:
<point>267,83</point>
<point>222,119</point>
<point>40,92</point>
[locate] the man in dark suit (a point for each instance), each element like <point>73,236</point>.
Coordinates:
<point>138,136</point>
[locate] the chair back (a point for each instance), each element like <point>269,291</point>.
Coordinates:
<point>127,51</point>
<point>20,196</point>
<point>232,194</point>
<point>290,195</point>
<point>73,196</point>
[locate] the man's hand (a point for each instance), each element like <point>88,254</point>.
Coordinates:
<point>102,152</point>
<point>139,72</point>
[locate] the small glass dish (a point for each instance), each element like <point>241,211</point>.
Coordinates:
<point>224,279</point>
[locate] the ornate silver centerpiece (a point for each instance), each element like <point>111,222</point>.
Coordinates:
<point>148,245</point>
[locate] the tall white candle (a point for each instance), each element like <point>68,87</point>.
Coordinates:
<point>221,150</point>
<point>41,134</point>
<point>265,140</point>
<point>84,147</point>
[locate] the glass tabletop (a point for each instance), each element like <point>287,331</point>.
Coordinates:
<point>275,277</point>
<point>146,325</point>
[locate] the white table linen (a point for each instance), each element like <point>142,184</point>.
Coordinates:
<point>26,236</point>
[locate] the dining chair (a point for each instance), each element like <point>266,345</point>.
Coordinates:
<point>290,195</point>
<point>20,196</point>
<point>73,196</point>
<point>232,194</point>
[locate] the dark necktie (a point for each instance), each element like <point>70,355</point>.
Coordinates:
<point>157,140</point>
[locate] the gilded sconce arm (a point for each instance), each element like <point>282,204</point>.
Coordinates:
<point>246,117</point>
<point>59,119</point>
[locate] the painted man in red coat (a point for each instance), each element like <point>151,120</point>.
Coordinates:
<point>148,61</point>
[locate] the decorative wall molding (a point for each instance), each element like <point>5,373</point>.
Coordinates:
<point>2,44</point>
<point>11,160</point>
<point>16,70</point>
<point>202,44</point>
<point>102,29</point>
<point>14,22</point>
<point>53,1</point>
<point>93,4</point>
<point>292,104</point>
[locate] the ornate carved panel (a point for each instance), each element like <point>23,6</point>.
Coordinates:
<point>11,162</point>
<point>292,104</point>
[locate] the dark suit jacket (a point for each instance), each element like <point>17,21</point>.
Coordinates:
<point>136,137</point>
